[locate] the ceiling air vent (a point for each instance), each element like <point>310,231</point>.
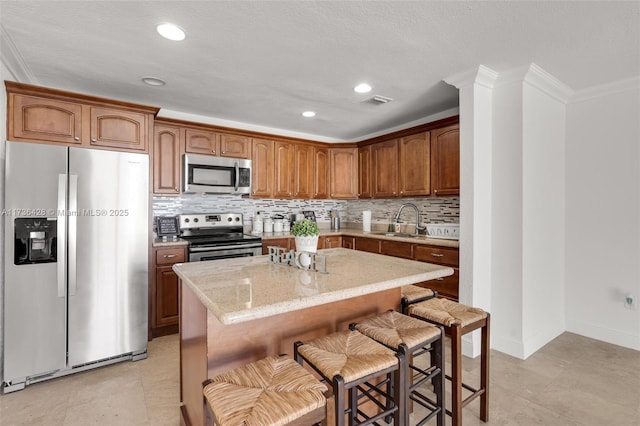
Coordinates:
<point>378,100</point>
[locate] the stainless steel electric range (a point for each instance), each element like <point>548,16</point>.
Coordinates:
<point>217,236</point>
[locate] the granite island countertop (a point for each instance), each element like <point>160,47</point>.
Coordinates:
<point>248,288</point>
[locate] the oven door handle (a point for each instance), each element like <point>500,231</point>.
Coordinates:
<point>216,248</point>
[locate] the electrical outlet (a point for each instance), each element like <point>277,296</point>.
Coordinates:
<point>629,302</point>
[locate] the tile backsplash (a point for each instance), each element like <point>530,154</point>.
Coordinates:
<point>432,210</point>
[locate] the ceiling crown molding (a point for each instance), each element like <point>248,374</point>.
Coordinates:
<point>482,75</point>
<point>538,78</point>
<point>12,59</point>
<point>619,86</point>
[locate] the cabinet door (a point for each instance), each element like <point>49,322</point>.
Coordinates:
<point>364,171</point>
<point>330,241</point>
<point>37,119</point>
<point>197,141</point>
<point>262,168</point>
<point>235,146</point>
<point>320,173</point>
<point>445,286</point>
<point>343,172</point>
<point>348,242</point>
<point>415,175</point>
<point>371,245</point>
<point>116,128</point>
<point>284,165</point>
<point>166,159</point>
<point>166,297</point>
<point>384,169</point>
<point>445,161</point>
<point>303,171</point>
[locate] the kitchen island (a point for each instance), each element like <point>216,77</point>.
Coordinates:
<point>236,311</point>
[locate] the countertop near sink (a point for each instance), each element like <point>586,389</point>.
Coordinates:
<point>350,232</point>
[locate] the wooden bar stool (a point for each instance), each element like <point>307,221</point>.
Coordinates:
<point>349,362</point>
<point>414,293</point>
<point>413,338</point>
<point>274,391</point>
<point>458,320</point>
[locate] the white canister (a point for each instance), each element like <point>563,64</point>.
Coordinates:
<point>278,225</point>
<point>257,224</point>
<point>268,225</point>
<point>286,226</point>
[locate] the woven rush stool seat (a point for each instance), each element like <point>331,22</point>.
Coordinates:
<point>414,293</point>
<point>349,361</point>
<point>457,320</point>
<point>273,391</point>
<point>413,338</point>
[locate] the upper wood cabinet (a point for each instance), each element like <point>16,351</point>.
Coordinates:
<point>384,169</point>
<point>343,172</point>
<point>321,177</point>
<point>166,159</point>
<point>200,141</point>
<point>303,184</point>
<point>364,171</point>
<point>235,146</point>
<point>414,174</point>
<point>284,169</point>
<point>114,128</point>
<point>38,114</point>
<point>262,170</point>
<point>38,119</point>
<point>445,161</point>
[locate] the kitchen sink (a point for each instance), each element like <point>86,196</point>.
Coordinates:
<point>394,234</point>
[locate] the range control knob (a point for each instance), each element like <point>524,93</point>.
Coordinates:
<point>187,220</point>
<point>237,219</point>
<point>229,219</point>
<point>195,219</point>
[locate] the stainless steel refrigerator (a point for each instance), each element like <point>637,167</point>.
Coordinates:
<point>75,260</point>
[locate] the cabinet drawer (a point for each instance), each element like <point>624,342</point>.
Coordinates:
<point>169,256</point>
<point>396,249</point>
<point>439,255</point>
<point>445,286</point>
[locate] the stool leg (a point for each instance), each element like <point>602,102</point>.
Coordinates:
<point>484,372</point>
<point>400,395</point>
<point>439,380</point>
<point>338,395</point>
<point>456,376</point>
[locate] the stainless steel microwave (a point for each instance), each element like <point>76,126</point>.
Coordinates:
<point>216,175</point>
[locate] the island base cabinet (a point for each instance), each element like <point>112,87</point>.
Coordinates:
<point>208,347</point>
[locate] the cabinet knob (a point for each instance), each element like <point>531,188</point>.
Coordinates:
<point>169,256</point>
<point>77,138</point>
<point>224,152</point>
<point>177,190</point>
<point>94,140</point>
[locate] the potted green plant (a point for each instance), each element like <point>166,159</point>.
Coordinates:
<point>306,232</point>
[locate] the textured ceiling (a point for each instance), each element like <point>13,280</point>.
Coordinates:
<point>264,63</point>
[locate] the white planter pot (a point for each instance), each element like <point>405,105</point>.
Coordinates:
<point>309,244</point>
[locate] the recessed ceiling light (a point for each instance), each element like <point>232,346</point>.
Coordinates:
<point>153,81</point>
<point>362,88</point>
<point>171,31</point>
<point>308,114</point>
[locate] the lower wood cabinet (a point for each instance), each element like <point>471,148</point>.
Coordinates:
<point>329,241</point>
<point>164,291</point>
<point>371,245</point>
<point>285,243</point>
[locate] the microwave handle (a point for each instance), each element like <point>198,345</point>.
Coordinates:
<point>237,184</point>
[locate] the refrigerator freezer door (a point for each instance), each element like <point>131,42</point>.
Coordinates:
<point>109,234</point>
<point>34,310</point>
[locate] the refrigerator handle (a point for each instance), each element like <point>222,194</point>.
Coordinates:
<point>62,233</point>
<point>73,227</point>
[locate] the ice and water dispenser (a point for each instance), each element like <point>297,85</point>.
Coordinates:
<point>35,240</point>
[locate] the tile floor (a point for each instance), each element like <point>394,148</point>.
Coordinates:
<point>571,381</point>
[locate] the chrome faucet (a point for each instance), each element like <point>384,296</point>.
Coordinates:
<point>418,227</point>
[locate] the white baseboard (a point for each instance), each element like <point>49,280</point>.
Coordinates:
<point>605,334</point>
